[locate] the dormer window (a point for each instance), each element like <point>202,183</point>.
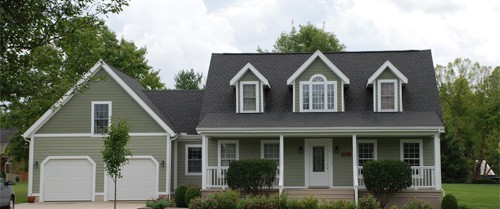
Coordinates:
<point>387,83</point>
<point>387,96</point>
<point>318,95</point>
<point>249,91</point>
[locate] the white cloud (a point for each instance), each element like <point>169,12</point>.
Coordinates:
<point>184,34</point>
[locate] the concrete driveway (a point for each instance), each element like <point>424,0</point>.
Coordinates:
<point>82,205</point>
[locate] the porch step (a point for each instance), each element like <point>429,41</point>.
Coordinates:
<point>322,194</point>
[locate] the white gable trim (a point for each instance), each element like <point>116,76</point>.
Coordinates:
<point>309,61</point>
<point>61,102</point>
<point>254,70</point>
<point>381,69</point>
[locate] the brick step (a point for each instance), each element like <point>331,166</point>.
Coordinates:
<point>322,194</point>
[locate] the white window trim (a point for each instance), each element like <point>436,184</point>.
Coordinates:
<point>220,142</point>
<point>368,141</point>
<point>379,95</point>
<point>109,103</point>
<point>257,95</point>
<point>326,83</point>
<point>263,142</point>
<point>186,159</point>
<point>421,150</point>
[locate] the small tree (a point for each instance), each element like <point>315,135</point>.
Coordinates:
<point>114,153</point>
<point>188,80</point>
<point>384,178</point>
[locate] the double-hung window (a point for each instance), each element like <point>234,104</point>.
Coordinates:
<point>249,96</point>
<point>228,152</point>
<point>387,97</point>
<point>412,153</point>
<point>367,151</point>
<point>101,113</point>
<point>193,159</point>
<point>318,95</point>
<point>270,149</point>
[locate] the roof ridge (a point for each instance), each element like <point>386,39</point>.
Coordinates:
<point>342,52</point>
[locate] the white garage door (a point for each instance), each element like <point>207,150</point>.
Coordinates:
<point>68,180</point>
<point>139,181</point>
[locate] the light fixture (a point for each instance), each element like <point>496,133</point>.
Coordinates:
<point>336,150</point>
<point>300,149</point>
<point>35,165</point>
<point>163,164</point>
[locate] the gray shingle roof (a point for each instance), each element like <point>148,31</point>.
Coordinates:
<point>420,96</point>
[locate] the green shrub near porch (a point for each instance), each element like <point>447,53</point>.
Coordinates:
<point>251,175</point>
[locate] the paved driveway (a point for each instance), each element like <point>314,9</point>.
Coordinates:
<point>82,205</point>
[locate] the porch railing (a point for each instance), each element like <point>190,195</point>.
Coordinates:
<point>216,177</point>
<point>422,177</point>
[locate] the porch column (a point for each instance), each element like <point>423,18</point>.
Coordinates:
<point>437,161</point>
<point>31,169</point>
<point>204,161</point>
<point>282,164</point>
<point>168,169</point>
<point>355,167</point>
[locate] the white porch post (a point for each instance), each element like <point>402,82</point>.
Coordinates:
<point>355,167</point>
<point>437,161</point>
<point>30,164</point>
<point>282,164</point>
<point>204,161</point>
<point>168,168</point>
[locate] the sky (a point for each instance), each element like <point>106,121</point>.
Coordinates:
<point>183,34</point>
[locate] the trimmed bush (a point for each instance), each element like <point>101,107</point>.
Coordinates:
<point>262,202</point>
<point>368,202</point>
<point>159,204</point>
<point>224,200</point>
<point>305,203</point>
<point>180,194</point>
<point>383,178</point>
<point>418,204</point>
<point>449,202</point>
<point>251,175</point>
<point>191,193</point>
<point>338,204</point>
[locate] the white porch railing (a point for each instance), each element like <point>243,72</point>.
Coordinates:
<point>216,177</point>
<point>422,177</point>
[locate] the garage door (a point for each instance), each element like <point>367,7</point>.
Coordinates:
<point>139,181</point>
<point>68,180</point>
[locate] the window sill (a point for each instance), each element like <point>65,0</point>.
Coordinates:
<point>193,174</point>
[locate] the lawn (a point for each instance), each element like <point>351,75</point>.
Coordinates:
<point>21,190</point>
<point>476,196</point>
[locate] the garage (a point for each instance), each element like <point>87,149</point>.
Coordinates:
<point>139,180</point>
<point>67,179</point>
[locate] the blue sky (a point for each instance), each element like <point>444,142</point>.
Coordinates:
<point>183,34</point>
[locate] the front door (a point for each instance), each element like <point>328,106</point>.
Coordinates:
<point>319,162</point>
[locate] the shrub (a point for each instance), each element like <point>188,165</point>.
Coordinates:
<point>368,202</point>
<point>338,204</point>
<point>483,180</point>
<point>262,202</point>
<point>418,204</point>
<point>251,175</point>
<point>449,202</point>
<point>160,203</point>
<point>386,177</point>
<point>305,203</point>
<point>224,200</point>
<point>191,193</point>
<point>180,194</point>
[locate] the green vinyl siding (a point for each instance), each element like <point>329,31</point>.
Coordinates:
<point>390,148</point>
<point>318,67</point>
<point>182,178</point>
<point>75,115</point>
<point>92,146</point>
<point>294,162</point>
<point>428,146</point>
<point>249,76</point>
<point>342,166</point>
<point>387,74</point>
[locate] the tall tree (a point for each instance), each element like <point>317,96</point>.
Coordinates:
<point>114,153</point>
<point>470,98</point>
<point>188,80</point>
<point>308,38</point>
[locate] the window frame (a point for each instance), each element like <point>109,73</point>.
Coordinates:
<point>379,95</point>
<point>257,96</point>
<point>367,141</point>
<point>262,145</point>
<point>325,83</point>
<point>186,159</point>
<point>220,142</point>
<point>421,150</point>
<point>92,113</point>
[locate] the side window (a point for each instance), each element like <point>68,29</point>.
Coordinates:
<point>193,159</point>
<point>270,149</point>
<point>367,151</point>
<point>228,152</point>
<point>411,152</point>
<point>101,113</point>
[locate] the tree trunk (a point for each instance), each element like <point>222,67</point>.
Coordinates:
<point>114,204</point>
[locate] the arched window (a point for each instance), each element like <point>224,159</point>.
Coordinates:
<point>318,94</point>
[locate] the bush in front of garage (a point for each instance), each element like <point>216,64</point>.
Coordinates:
<point>191,193</point>
<point>160,203</point>
<point>180,194</point>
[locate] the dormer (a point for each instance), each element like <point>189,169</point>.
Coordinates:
<point>318,86</point>
<point>387,83</point>
<point>249,84</point>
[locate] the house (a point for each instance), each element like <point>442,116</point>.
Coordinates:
<point>319,115</point>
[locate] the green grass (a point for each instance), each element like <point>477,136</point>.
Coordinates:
<point>476,196</point>
<point>21,190</point>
